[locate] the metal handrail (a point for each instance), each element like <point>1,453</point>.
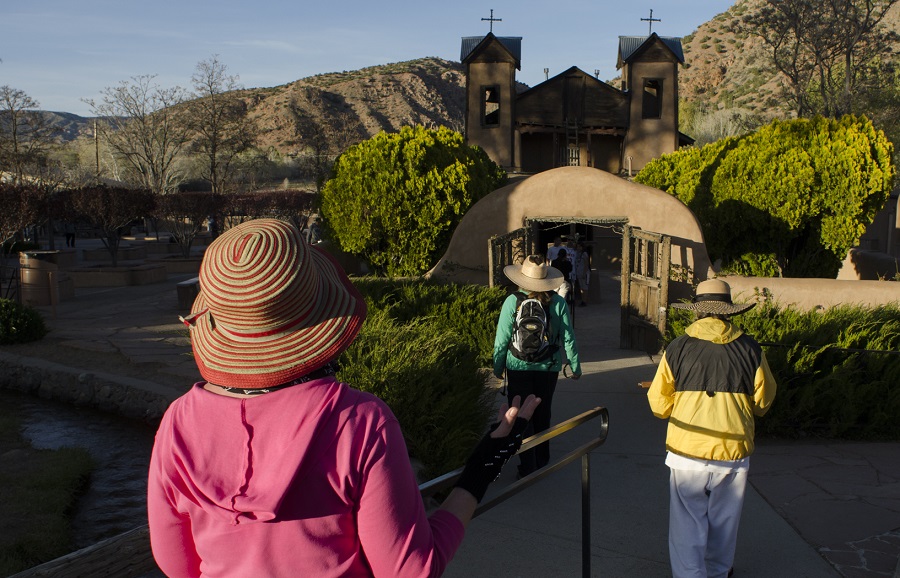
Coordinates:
<point>129,554</point>
<point>447,480</point>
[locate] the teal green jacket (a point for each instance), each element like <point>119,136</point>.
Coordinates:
<point>561,334</point>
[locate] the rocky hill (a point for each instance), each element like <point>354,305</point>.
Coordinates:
<point>360,103</point>
<point>727,68</point>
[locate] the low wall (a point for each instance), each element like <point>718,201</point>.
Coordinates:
<point>129,397</point>
<point>869,266</point>
<point>125,253</point>
<point>176,264</point>
<point>808,294</point>
<point>144,274</point>
<point>162,248</point>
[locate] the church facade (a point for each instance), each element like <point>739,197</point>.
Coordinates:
<point>573,118</point>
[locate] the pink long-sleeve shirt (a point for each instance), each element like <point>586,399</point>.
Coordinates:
<point>311,480</point>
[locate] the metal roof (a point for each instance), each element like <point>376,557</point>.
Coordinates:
<point>511,43</point>
<point>628,45</point>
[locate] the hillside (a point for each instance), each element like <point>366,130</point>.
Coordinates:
<point>726,68</point>
<point>361,103</point>
<point>357,104</point>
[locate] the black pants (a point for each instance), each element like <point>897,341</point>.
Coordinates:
<point>542,384</point>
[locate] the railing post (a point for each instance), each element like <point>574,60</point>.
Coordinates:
<point>492,265</point>
<point>586,515</point>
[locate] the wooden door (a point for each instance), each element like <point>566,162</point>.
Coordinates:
<point>646,257</point>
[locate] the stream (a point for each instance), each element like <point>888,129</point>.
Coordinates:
<point>115,500</point>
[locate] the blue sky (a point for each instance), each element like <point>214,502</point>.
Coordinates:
<point>62,51</point>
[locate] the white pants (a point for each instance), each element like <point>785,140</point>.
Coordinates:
<point>704,514</point>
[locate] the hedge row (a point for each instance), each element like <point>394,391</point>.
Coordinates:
<point>838,370</point>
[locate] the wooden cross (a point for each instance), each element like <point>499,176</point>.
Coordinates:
<point>492,19</point>
<point>650,20</point>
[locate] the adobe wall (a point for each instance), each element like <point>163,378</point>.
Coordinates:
<point>809,294</point>
<point>570,192</point>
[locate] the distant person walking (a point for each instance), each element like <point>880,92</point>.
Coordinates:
<point>554,249</point>
<point>70,234</point>
<point>710,384</point>
<point>314,230</point>
<point>582,273</point>
<point>535,374</point>
<point>563,264</point>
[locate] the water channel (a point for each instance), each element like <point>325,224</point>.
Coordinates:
<point>115,500</point>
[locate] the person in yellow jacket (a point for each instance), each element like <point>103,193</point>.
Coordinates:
<point>710,384</point>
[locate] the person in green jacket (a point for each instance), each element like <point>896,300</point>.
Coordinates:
<point>535,279</point>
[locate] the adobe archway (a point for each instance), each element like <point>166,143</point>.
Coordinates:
<point>571,192</point>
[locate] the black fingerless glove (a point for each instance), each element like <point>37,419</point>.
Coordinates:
<point>488,458</point>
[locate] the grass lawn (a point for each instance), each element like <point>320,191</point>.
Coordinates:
<point>39,490</point>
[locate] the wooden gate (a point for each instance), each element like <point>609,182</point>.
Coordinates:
<point>646,258</point>
<point>508,249</point>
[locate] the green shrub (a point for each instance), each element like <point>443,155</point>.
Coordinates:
<point>395,199</point>
<point>423,349</point>
<point>20,323</point>
<point>837,370</point>
<point>794,196</point>
<point>430,380</point>
<point>14,247</point>
<point>467,312</point>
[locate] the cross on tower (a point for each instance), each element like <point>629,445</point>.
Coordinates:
<point>492,19</point>
<point>650,21</point>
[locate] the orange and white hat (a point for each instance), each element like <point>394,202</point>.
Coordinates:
<point>271,308</point>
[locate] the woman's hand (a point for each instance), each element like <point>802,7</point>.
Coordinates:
<point>507,415</point>
<point>489,456</point>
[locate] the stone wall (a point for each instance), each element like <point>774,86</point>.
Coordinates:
<point>133,398</point>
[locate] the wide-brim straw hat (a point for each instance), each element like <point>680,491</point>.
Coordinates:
<point>714,297</point>
<point>534,275</point>
<point>271,308</point>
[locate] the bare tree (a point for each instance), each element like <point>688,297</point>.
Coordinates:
<point>295,205</point>
<point>109,210</point>
<point>823,48</point>
<point>323,140</point>
<point>18,210</point>
<point>25,135</point>
<point>145,129</point>
<point>221,128</point>
<point>183,213</point>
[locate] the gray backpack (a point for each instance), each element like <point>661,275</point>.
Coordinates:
<point>531,331</point>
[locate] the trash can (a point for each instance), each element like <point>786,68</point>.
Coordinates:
<point>40,280</point>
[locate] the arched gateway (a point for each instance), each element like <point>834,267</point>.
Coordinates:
<point>659,234</point>
<point>576,193</point>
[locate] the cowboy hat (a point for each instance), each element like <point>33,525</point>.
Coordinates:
<point>534,275</point>
<point>271,307</point>
<point>714,297</point>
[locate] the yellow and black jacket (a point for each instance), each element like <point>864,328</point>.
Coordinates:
<point>709,385</point>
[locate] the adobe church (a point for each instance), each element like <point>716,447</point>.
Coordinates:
<point>573,119</point>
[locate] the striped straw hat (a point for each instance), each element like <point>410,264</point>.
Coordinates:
<point>271,308</point>
<point>714,297</point>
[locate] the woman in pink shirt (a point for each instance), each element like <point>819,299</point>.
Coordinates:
<point>272,467</point>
